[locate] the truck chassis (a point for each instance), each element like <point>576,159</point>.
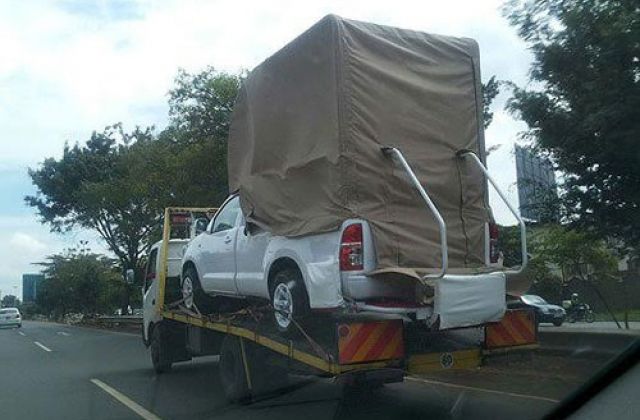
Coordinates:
<point>355,348</point>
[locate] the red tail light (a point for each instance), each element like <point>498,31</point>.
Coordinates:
<point>351,255</point>
<point>494,233</point>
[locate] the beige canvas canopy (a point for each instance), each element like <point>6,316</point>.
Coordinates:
<point>310,121</point>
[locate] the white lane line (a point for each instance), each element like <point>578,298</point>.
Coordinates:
<point>489,391</point>
<point>134,406</point>
<point>22,334</point>
<point>66,334</point>
<point>43,347</point>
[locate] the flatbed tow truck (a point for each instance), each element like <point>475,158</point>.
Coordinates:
<point>357,349</point>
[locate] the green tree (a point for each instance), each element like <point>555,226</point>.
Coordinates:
<point>200,109</point>
<point>10,301</point>
<point>201,104</point>
<point>118,183</point>
<point>103,186</point>
<point>583,106</point>
<point>577,254</point>
<point>509,245</point>
<point>78,281</point>
<point>489,92</point>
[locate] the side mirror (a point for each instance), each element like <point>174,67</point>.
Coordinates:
<point>201,225</point>
<point>129,276</point>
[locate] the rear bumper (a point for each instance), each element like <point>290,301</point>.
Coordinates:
<point>360,287</point>
<point>11,323</point>
<point>458,301</point>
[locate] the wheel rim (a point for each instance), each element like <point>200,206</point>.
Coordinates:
<point>187,292</point>
<point>283,304</point>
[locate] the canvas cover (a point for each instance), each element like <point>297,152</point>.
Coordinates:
<point>308,127</point>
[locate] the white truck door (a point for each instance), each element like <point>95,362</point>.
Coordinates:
<point>150,293</point>
<point>217,258</point>
<point>250,250</point>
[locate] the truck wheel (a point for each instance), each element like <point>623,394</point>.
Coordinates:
<point>159,351</point>
<point>289,299</point>
<point>192,292</point>
<point>232,372</point>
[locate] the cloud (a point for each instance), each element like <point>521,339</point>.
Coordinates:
<point>23,242</point>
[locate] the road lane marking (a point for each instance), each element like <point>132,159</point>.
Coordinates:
<point>132,405</point>
<point>489,391</point>
<point>43,347</point>
<point>66,334</point>
<point>22,334</point>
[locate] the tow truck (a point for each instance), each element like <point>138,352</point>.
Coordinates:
<point>358,349</point>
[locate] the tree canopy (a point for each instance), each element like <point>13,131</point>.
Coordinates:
<point>583,105</point>
<point>9,301</point>
<point>102,186</point>
<point>118,182</point>
<point>78,281</point>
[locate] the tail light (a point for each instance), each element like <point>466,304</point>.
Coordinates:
<point>351,255</point>
<point>494,233</point>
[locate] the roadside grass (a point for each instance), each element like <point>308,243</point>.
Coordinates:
<point>634,315</point>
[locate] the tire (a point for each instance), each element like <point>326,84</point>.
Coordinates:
<point>289,299</point>
<point>557,323</point>
<point>190,281</point>
<point>231,369</point>
<point>159,352</point>
<point>589,317</point>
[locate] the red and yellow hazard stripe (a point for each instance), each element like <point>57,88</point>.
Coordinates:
<point>370,341</point>
<point>517,327</point>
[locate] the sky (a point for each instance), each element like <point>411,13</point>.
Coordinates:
<point>69,67</point>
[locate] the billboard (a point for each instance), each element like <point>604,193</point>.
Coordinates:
<point>30,286</point>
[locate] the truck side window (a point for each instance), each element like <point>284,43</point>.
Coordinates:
<point>150,272</point>
<point>227,217</point>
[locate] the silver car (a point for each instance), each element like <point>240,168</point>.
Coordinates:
<point>10,317</point>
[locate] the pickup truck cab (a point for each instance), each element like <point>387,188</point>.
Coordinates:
<point>150,309</point>
<point>327,272</point>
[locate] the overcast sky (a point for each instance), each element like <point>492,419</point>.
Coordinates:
<point>72,66</point>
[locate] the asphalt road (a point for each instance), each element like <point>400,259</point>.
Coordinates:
<point>52,371</point>
<point>598,325</point>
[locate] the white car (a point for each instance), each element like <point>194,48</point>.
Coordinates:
<point>10,317</point>
<point>326,271</point>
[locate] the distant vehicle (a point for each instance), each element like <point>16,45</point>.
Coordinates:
<point>151,315</point>
<point>580,312</point>
<point>545,311</point>
<point>10,317</point>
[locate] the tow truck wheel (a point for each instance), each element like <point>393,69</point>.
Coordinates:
<point>232,372</point>
<point>159,353</point>
<point>289,299</point>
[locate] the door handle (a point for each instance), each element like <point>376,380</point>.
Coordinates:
<point>227,239</point>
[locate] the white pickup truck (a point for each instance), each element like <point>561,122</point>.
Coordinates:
<point>324,272</point>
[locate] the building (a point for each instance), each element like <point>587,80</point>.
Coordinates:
<point>30,286</point>
<point>537,188</point>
